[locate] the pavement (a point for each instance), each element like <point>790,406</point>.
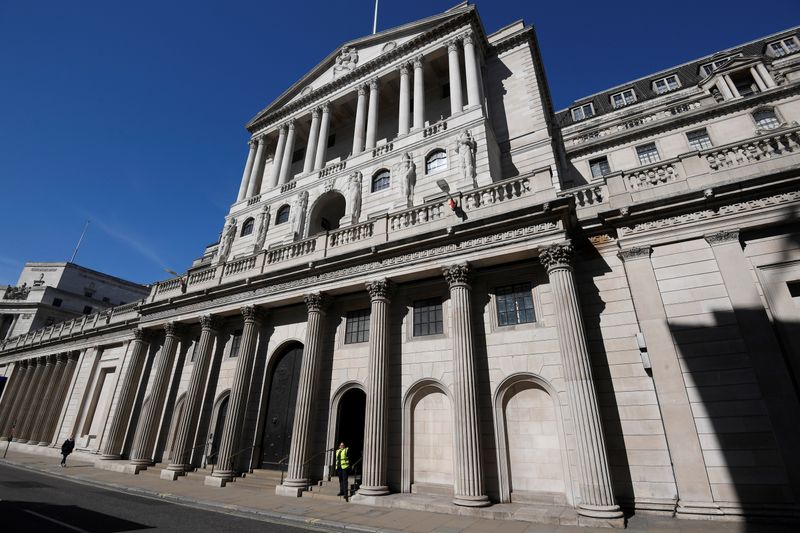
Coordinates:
<point>251,501</point>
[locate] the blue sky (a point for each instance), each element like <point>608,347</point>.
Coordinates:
<point>132,114</point>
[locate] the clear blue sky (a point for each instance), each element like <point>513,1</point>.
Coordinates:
<point>132,114</point>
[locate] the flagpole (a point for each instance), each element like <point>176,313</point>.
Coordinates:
<point>375,19</point>
<point>72,259</point>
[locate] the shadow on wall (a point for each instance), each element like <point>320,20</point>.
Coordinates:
<point>496,96</point>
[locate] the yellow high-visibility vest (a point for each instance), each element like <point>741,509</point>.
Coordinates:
<point>342,460</point>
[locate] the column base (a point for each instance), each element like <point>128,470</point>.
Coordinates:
<point>219,478</point>
<point>373,491</point>
<point>701,510</point>
<point>601,516</point>
<point>43,443</point>
<point>110,456</point>
<point>171,474</point>
<point>472,501</point>
<point>292,492</point>
<point>134,468</point>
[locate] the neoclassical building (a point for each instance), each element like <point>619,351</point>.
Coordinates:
<point>593,310</point>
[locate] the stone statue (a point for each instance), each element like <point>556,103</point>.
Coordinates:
<point>354,190</point>
<point>298,213</point>
<point>345,61</point>
<point>225,243</point>
<point>466,148</point>
<point>17,293</point>
<point>408,178</point>
<point>263,225</point>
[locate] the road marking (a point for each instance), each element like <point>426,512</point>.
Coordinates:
<point>59,522</point>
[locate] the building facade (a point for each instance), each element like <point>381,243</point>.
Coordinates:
<point>488,300</point>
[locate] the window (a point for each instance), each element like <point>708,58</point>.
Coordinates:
<point>428,317</point>
<point>784,47</point>
<point>331,139</point>
<point>380,180</point>
<point>57,302</point>
<point>599,167</point>
<point>708,68</point>
<point>446,90</point>
<point>624,98</point>
<point>744,82</point>
<point>699,139</point>
<point>297,155</point>
<point>582,112</point>
<point>648,153</point>
<point>436,162</point>
<point>283,215</point>
<point>87,310</point>
<point>195,344</point>
<point>515,304</point>
<point>766,119</point>
<point>665,85</point>
<point>247,227</point>
<point>357,327</point>
<point>236,343</point>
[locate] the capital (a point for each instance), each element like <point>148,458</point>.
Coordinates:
<point>379,289</point>
<point>326,107</point>
<point>452,45</point>
<point>139,334</point>
<point>62,357</point>
<point>172,329</point>
<point>635,252</point>
<point>210,322</point>
<point>457,274</point>
<point>316,302</point>
<point>418,62</point>
<point>290,124</point>
<point>315,113</point>
<point>51,359</point>
<point>252,143</point>
<point>720,237</point>
<point>43,360</point>
<point>362,89</point>
<point>373,84</point>
<point>557,256</point>
<point>467,38</point>
<point>403,69</point>
<point>251,313</point>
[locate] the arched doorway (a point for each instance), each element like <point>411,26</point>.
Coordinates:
<point>432,464</point>
<point>350,425</point>
<point>219,425</point>
<point>327,212</point>
<point>279,417</point>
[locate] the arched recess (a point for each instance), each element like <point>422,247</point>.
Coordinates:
<point>531,447</point>
<point>333,421</point>
<point>218,417</point>
<point>283,374</point>
<point>174,426</point>
<point>428,450</point>
<point>326,213</point>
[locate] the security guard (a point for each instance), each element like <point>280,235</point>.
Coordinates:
<point>342,467</point>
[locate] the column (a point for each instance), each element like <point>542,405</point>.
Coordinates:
<point>28,407</point>
<point>358,131</point>
<point>688,465</point>
<point>115,442</point>
<point>372,116</point>
<point>757,78</point>
<point>597,497</point>
<point>765,75</point>
<point>248,169</point>
<point>723,89</point>
<point>375,419</point>
<point>41,434</point>
<point>322,143</point>
<point>142,452</point>
<point>469,488</point>
<point>296,480</point>
<point>11,399</point>
<point>311,147</point>
<point>254,183</point>
<point>288,152</point>
<point>277,160</point>
<point>471,66</point>
<point>731,87</point>
<point>181,461</point>
<point>454,69</point>
<point>404,122</point>
<point>237,405</point>
<point>419,94</point>
<point>50,434</point>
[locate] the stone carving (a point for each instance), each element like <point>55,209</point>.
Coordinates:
<point>557,256</point>
<point>211,322</point>
<point>172,329</point>
<point>354,191</point>
<point>315,302</point>
<point>17,293</point>
<point>457,274</point>
<point>407,171</point>
<point>635,252</point>
<point>388,47</point>
<point>298,213</point>
<point>345,61</point>
<point>466,148</point>
<point>306,90</point>
<point>225,243</point>
<point>263,225</point>
<point>728,235</point>
<point>251,313</point>
<point>39,282</point>
<point>379,289</point>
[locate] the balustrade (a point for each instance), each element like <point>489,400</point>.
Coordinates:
<point>288,186</point>
<point>651,176</point>
<point>496,192</point>
<point>202,276</point>
<point>434,128</point>
<point>351,234</point>
<point>239,265</point>
<point>290,251</point>
<point>254,200</point>
<point>586,195</point>
<point>383,149</point>
<point>766,147</point>
<point>417,216</point>
<point>332,169</point>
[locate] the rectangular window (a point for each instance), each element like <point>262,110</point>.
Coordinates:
<point>648,153</point>
<point>582,112</point>
<point>428,318</point>
<point>708,68</point>
<point>357,327</point>
<point>297,155</point>
<point>236,343</point>
<point>515,304</point>
<point>699,139</point>
<point>784,47</point>
<point>599,167</point>
<point>624,98</point>
<point>665,85</point>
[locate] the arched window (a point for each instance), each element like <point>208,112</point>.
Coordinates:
<point>766,119</point>
<point>436,162</point>
<point>283,215</point>
<point>380,180</point>
<point>247,227</point>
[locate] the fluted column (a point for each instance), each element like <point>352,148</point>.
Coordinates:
<point>28,411</point>
<point>254,182</point>
<point>49,433</point>
<point>404,112</point>
<point>375,433</point>
<point>454,69</point>
<point>765,75</point>
<point>277,160</point>
<point>471,66</point>
<point>419,94</point>
<point>20,380</point>
<point>181,460</point>
<point>142,452</point>
<point>596,493</point>
<point>44,398</point>
<point>358,131</point>
<point>288,152</point>
<point>296,479</point>
<point>248,169</point>
<point>469,487</point>
<point>42,433</point>
<point>114,444</point>
<point>237,405</point>
<point>322,143</point>
<point>311,146</point>
<point>372,116</point>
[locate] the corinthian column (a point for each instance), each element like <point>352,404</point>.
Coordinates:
<point>404,111</point>
<point>49,433</point>
<point>596,494</point>
<point>372,116</point>
<point>142,452</point>
<point>419,94</point>
<point>288,153</point>
<point>297,480</point>
<point>248,168</point>
<point>180,462</point>
<point>358,132</point>
<point>254,182</point>
<point>375,448</point>
<point>42,434</point>
<point>471,65</point>
<point>322,143</point>
<point>44,398</point>
<point>237,405</point>
<point>277,160</point>
<point>112,449</point>
<point>28,411</point>
<point>11,396</point>
<point>454,69</point>
<point>311,146</point>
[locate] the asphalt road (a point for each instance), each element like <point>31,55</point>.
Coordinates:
<point>37,503</point>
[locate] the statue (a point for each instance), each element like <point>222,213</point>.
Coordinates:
<point>466,148</point>
<point>408,178</point>
<point>345,61</point>
<point>354,189</point>
<point>17,293</point>
<point>298,213</point>
<point>263,224</point>
<point>225,243</point>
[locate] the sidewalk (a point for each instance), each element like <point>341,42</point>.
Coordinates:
<point>320,514</point>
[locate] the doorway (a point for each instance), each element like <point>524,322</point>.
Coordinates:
<point>279,417</point>
<point>327,213</point>
<point>350,425</point>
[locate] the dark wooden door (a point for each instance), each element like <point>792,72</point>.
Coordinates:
<point>280,409</point>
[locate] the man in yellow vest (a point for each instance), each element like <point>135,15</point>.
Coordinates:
<point>342,467</point>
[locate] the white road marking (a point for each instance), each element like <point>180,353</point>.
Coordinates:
<point>59,522</point>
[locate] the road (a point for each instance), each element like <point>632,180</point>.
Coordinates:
<point>38,503</point>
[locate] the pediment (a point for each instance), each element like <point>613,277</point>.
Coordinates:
<point>736,62</point>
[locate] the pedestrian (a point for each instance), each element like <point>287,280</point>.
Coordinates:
<point>342,467</point>
<point>66,449</point>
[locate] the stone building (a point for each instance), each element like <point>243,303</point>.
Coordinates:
<point>588,311</point>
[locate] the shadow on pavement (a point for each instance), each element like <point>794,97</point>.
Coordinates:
<point>45,517</point>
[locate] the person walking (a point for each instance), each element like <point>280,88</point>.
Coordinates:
<point>66,449</point>
<point>342,468</point>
